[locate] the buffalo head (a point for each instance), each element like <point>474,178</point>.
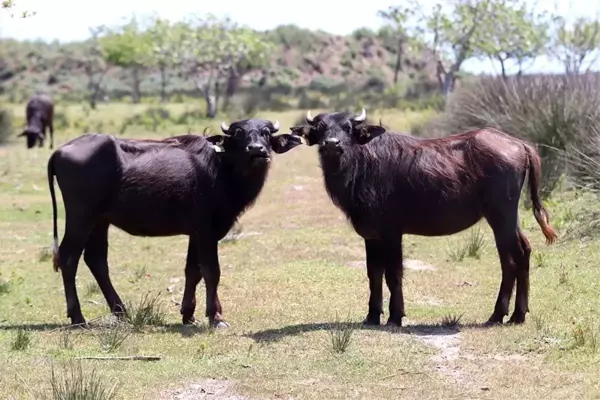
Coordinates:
<point>33,135</point>
<point>335,131</point>
<point>253,139</point>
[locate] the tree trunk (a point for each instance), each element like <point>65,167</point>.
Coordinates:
<point>398,66</point>
<point>233,83</point>
<point>136,92</point>
<point>211,104</point>
<point>503,69</point>
<point>92,101</point>
<point>163,83</point>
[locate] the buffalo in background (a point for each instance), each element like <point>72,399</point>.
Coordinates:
<point>40,118</point>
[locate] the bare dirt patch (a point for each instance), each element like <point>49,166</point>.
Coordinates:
<point>446,361</point>
<point>416,265</point>
<point>205,389</point>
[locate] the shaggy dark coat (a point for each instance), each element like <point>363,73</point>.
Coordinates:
<point>391,184</point>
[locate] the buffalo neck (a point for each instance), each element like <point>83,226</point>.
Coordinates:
<point>240,181</point>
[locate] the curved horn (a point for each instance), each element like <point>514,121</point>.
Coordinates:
<point>225,128</point>
<point>309,117</point>
<point>276,126</point>
<point>362,117</point>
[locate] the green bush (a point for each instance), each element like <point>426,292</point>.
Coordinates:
<point>551,110</point>
<point>6,125</point>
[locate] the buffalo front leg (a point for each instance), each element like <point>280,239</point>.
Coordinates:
<point>393,279</point>
<point>95,256</point>
<point>210,269</point>
<point>193,276</point>
<point>375,268</point>
<point>51,126</point>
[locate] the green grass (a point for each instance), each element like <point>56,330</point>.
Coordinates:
<point>282,290</point>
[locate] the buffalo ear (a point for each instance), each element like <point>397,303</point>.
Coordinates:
<point>285,142</point>
<point>24,133</point>
<point>217,142</point>
<point>303,131</point>
<point>364,134</point>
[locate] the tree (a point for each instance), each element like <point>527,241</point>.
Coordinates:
<point>91,56</point>
<point>452,32</point>
<point>10,6</point>
<point>165,48</point>
<point>398,17</point>
<point>575,46</point>
<point>128,47</point>
<point>518,35</point>
<point>220,51</point>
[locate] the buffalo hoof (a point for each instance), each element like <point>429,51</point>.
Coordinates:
<point>220,324</point>
<point>371,322</point>
<point>393,324</point>
<point>78,323</point>
<point>493,321</point>
<point>517,319</point>
<point>188,320</point>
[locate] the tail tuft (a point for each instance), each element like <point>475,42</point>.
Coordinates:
<point>540,213</point>
<point>548,231</point>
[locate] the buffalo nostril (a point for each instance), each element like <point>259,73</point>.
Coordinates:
<point>256,149</point>
<point>332,142</point>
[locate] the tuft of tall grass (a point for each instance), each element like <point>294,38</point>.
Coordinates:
<point>148,311</point>
<point>75,384</point>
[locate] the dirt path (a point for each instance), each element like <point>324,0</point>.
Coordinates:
<point>446,361</point>
<point>206,389</point>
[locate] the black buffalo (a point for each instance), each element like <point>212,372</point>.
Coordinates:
<point>40,118</point>
<point>184,185</point>
<point>390,184</point>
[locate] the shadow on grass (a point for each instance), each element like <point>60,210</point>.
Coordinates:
<point>185,330</point>
<point>273,335</point>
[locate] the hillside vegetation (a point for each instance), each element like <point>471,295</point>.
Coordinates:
<point>300,61</point>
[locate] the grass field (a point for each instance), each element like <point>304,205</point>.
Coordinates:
<point>293,286</point>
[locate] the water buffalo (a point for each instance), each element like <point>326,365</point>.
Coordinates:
<point>390,184</point>
<point>40,117</point>
<point>185,185</point>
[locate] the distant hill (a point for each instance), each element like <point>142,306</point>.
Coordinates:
<point>302,60</point>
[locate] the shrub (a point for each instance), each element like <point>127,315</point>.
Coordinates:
<point>551,110</point>
<point>6,125</point>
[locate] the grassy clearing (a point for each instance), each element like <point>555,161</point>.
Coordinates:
<point>282,289</point>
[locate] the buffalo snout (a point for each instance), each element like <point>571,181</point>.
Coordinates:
<point>332,145</point>
<point>257,150</point>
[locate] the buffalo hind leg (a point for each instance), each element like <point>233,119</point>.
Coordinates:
<point>193,276</point>
<point>96,257</point>
<point>508,244</point>
<point>77,231</point>
<point>375,270</point>
<point>521,255</point>
<point>210,269</point>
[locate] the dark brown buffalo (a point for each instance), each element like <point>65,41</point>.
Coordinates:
<point>40,117</point>
<point>389,185</point>
<point>185,185</point>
